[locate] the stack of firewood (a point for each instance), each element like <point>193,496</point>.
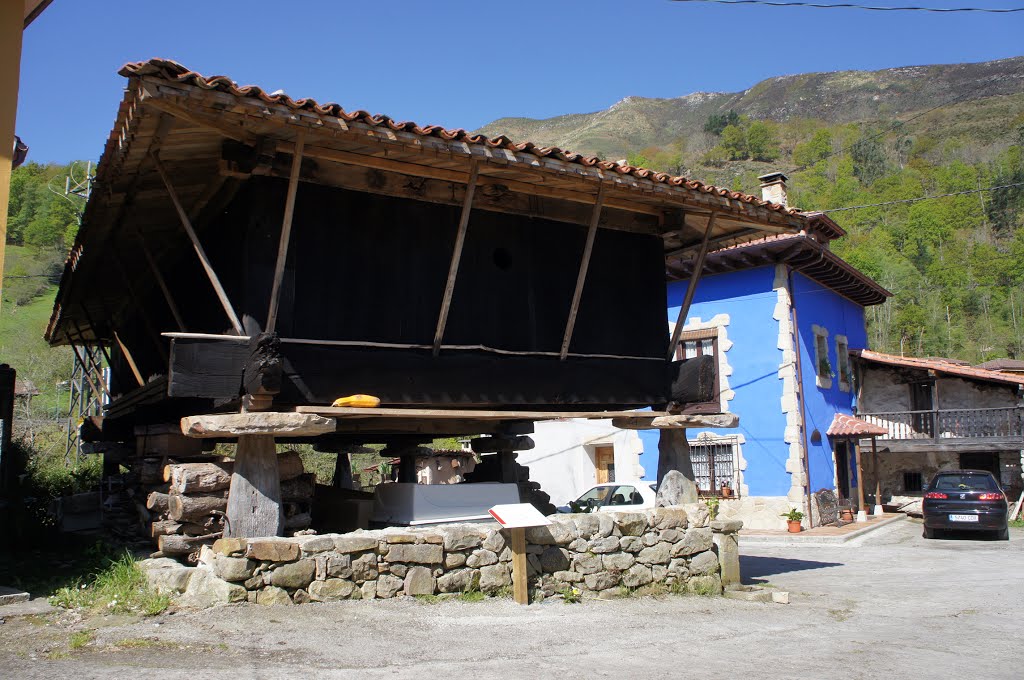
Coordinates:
<point>188,509</point>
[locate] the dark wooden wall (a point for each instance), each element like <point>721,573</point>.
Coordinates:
<point>369,268</point>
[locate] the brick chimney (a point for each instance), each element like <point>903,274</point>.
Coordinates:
<point>773,188</point>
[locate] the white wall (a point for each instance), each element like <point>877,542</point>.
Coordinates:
<point>562,461</point>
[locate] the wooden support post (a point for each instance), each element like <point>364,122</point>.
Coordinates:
<point>343,472</point>
<point>254,500</point>
<point>581,278</point>
<point>674,456</point>
<point>407,469</point>
<point>131,361</point>
<point>691,288</point>
<point>860,484</point>
<point>286,231</point>
<point>168,298</point>
<point>520,591</point>
<point>877,510</point>
<point>453,269</point>
<point>200,252</point>
<point>507,459</point>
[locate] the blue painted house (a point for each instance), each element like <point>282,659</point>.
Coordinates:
<point>781,316</point>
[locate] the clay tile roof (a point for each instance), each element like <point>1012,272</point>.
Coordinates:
<point>175,72</point>
<point>1003,365</point>
<point>940,366</point>
<point>848,426</point>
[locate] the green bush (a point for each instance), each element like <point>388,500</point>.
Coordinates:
<point>118,588</point>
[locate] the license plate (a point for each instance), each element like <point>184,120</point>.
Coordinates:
<point>963,518</point>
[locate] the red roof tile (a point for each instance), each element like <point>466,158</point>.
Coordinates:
<point>940,366</point>
<point>848,426</point>
<point>173,71</point>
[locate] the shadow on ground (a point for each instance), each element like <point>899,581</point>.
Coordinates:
<point>754,567</point>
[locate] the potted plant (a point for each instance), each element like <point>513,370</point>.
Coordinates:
<point>726,490</point>
<point>793,518</point>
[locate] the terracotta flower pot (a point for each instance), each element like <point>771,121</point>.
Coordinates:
<point>726,492</point>
<point>794,526</point>
<point>847,515</point>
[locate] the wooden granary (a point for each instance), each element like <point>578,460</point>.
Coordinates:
<point>252,257</point>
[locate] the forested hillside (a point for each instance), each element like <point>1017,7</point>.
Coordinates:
<point>955,264</point>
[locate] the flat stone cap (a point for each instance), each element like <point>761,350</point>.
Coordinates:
<point>270,423</point>
<point>725,526</point>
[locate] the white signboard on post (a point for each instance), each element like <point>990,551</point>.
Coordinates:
<point>518,516</point>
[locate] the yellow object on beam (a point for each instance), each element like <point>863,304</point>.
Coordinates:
<point>357,401</point>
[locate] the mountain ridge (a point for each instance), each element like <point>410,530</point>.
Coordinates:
<point>635,122</point>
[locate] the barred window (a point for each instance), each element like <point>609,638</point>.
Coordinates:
<point>714,465</point>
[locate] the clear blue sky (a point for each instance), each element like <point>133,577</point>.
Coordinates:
<point>465,63</point>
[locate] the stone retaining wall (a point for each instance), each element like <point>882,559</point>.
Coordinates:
<point>600,554</point>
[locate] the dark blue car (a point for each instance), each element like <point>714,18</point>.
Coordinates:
<point>969,500</point>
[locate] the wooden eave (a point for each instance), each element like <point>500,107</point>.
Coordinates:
<point>187,126</point>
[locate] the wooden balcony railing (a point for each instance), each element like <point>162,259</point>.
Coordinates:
<point>964,423</point>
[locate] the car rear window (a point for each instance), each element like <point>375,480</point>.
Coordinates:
<point>964,483</point>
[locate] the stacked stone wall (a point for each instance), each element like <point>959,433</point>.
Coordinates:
<point>600,554</point>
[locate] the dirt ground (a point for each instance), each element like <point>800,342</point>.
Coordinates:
<point>891,605</point>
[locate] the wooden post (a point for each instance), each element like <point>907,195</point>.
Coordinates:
<point>860,483</point>
<point>254,500</point>
<point>453,269</point>
<point>877,510</point>
<point>507,459</point>
<point>520,591</point>
<point>12,21</point>
<point>674,455</point>
<point>200,252</point>
<point>691,288</point>
<point>168,298</point>
<point>581,278</point>
<point>131,361</point>
<point>286,231</point>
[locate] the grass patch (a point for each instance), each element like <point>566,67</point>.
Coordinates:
<point>428,599</point>
<point>571,595</point>
<point>703,588</point>
<point>119,588</point>
<point>504,591</point>
<point>80,639</point>
<point>840,615</point>
<point>1018,523</point>
<point>472,596</point>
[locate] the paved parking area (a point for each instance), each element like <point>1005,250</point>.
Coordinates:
<point>892,605</point>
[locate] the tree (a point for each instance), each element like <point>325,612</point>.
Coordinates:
<point>734,142</point>
<point>761,142</point>
<point>717,122</point>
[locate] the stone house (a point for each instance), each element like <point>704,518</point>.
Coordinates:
<point>780,316</point>
<point>939,415</point>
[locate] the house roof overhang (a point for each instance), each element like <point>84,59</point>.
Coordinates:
<point>209,132</point>
<point>938,366</point>
<point>803,253</point>
<point>844,425</point>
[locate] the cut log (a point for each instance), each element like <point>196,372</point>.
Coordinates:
<point>194,507</point>
<point>158,502</point>
<point>254,503</point>
<point>191,478</point>
<point>183,545</point>
<point>165,527</point>
<point>210,526</point>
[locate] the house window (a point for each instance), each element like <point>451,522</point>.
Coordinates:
<point>822,365</point>
<point>714,466</point>
<point>913,482</point>
<point>843,362</point>
<point>702,343</point>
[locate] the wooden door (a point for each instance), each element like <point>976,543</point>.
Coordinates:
<point>980,460</point>
<point>604,464</point>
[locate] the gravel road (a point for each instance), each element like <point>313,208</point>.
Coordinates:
<point>893,605</point>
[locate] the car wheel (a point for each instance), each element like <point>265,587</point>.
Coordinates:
<point>928,532</point>
<point>1003,535</point>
